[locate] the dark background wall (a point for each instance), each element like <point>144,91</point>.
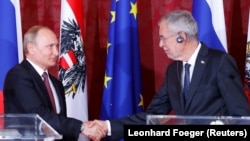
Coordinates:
<point>153,59</point>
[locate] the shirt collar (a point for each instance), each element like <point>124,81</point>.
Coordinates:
<point>37,68</point>
<point>192,59</point>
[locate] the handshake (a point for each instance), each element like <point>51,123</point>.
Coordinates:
<point>95,130</point>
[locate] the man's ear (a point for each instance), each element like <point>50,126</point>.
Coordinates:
<point>30,47</point>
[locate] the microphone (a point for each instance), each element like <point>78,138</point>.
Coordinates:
<point>180,80</point>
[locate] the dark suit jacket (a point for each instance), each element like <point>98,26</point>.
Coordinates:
<point>25,92</point>
<point>216,89</point>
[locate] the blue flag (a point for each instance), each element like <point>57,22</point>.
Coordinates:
<point>122,84</point>
<point>10,39</point>
<point>209,15</point>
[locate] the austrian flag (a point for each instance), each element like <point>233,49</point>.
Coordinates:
<point>72,68</point>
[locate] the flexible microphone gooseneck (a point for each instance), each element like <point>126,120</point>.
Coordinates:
<point>180,80</point>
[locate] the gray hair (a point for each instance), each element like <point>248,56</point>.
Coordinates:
<point>30,36</point>
<point>181,21</point>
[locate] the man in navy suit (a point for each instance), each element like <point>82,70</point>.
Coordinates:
<point>26,93</point>
<point>215,87</point>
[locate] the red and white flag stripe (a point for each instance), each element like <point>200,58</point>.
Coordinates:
<point>68,60</point>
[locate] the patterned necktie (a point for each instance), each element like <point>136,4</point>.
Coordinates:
<point>46,82</point>
<point>186,81</point>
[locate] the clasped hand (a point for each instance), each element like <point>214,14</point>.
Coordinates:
<point>95,130</point>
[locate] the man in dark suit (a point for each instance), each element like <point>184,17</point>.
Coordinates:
<point>26,93</point>
<point>215,86</point>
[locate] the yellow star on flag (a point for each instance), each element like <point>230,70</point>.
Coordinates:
<point>141,102</point>
<point>113,16</point>
<point>106,79</point>
<point>133,9</point>
<point>108,45</point>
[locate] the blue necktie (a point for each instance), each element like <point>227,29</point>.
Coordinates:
<point>186,81</point>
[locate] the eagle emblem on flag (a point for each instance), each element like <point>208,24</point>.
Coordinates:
<point>72,68</point>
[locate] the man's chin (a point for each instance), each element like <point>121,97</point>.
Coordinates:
<point>53,64</point>
<point>173,57</point>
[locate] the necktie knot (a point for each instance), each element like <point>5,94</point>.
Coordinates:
<point>45,75</point>
<point>187,66</point>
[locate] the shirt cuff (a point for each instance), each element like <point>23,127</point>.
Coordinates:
<point>109,128</point>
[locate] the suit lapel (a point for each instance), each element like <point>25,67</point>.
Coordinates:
<point>174,83</point>
<point>58,94</point>
<point>199,68</point>
<point>33,72</point>
<point>40,82</point>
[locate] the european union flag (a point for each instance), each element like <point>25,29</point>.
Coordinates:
<point>122,86</point>
<point>210,18</point>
